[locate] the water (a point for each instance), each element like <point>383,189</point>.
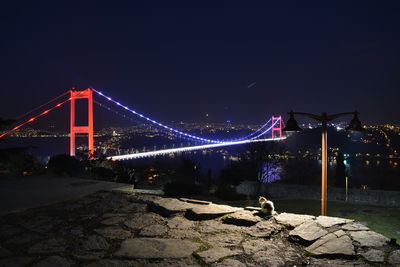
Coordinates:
<point>46,147</point>
<point>369,171</point>
<point>42,147</point>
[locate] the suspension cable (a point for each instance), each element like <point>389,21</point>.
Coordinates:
<point>131,119</point>
<point>34,118</point>
<point>167,127</point>
<point>48,102</point>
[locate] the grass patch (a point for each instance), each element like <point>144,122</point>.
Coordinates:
<point>383,220</point>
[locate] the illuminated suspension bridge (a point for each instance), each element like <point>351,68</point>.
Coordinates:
<point>273,126</point>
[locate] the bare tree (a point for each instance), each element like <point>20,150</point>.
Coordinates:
<point>264,159</point>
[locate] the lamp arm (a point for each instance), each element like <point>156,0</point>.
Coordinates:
<point>335,116</point>
<point>309,115</point>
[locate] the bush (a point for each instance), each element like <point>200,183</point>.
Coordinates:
<point>101,173</point>
<point>178,189</point>
<point>108,170</point>
<point>228,192</point>
<point>65,165</point>
<point>22,164</point>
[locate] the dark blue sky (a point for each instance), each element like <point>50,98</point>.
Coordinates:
<point>178,60</point>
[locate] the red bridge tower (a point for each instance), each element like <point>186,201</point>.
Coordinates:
<point>88,93</point>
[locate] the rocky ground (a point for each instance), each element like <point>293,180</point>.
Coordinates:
<point>111,229</point>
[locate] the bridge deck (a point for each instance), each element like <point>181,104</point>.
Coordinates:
<point>190,148</point>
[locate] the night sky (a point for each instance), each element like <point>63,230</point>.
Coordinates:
<point>179,60</point>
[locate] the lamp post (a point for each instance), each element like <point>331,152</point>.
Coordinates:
<point>355,125</point>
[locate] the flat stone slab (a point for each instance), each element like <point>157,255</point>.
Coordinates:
<point>308,232</point>
<point>114,220</point>
<point>277,253</point>
<point>213,226</point>
<point>133,207</point>
<point>112,214</point>
<point>322,262</point>
<point>179,222</point>
<point>339,233</point>
<point>224,239</point>
<point>355,226</point>
<point>327,221</point>
<point>23,239</point>
<point>337,243</point>
<point>172,205</point>
<point>394,258</point>
<point>229,263</point>
<point>111,263</point>
<point>374,255</point>
<point>292,220</point>
<point>183,234</point>
<point>242,218</point>
<point>263,229</point>
<point>214,254</point>
<point>149,191</point>
<point>89,255</point>
<point>139,221</point>
<point>268,258</point>
<point>53,261</point>
<point>195,201</point>
<point>95,242</point>
<point>76,230</point>
<point>250,208</point>
<point>40,224</point>
<point>369,239</point>
<point>181,262</point>
<point>18,261</point>
<point>52,245</point>
<point>113,232</point>
<point>211,211</point>
<point>156,248</point>
<point>154,230</point>
<point>252,246</point>
<point>143,198</point>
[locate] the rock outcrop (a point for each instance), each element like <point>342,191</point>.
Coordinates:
<point>109,229</point>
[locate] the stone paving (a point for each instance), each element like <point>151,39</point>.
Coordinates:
<point>21,193</point>
<point>114,229</point>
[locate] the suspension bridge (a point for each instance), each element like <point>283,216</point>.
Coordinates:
<point>273,126</point>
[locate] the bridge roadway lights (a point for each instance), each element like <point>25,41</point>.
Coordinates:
<point>88,94</point>
<point>292,126</point>
<point>185,149</point>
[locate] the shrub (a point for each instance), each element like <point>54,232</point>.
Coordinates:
<point>65,165</point>
<point>22,163</point>
<point>178,189</point>
<point>101,173</point>
<point>228,192</point>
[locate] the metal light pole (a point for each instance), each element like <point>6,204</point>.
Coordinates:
<point>355,125</point>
